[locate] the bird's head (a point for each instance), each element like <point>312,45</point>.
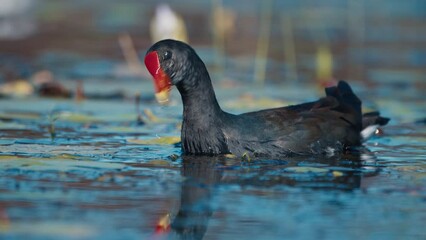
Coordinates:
<point>169,62</point>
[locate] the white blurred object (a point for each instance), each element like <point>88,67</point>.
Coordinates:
<point>369,131</point>
<point>167,24</point>
<point>16,19</point>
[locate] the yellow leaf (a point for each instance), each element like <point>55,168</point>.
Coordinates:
<point>337,174</point>
<point>160,140</point>
<point>20,115</point>
<point>154,119</point>
<point>77,117</point>
<point>68,156</point>
<point>159,162</point>
<point>151,116</point>
<point>246,157</point>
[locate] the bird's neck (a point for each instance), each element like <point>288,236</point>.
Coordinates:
<point>202,116</point>
<point>198,97</point>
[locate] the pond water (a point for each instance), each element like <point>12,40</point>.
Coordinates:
<point>88,169</point>
<point>110,167</point>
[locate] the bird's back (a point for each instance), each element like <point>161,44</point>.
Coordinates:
<point>328,124</point>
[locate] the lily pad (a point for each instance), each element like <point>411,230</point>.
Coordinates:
<point>168,140</point>
<point>306,170</point>
<point>78,118</point>
<point>57,164</point>
<point>54,149</point>
<point>53,230</point>
<point>20,115</point>
<point>159,162</point>
<point>12,125</point>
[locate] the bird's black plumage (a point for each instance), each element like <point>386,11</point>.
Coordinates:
<point>329,124</point>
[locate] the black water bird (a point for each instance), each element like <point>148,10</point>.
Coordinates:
<point>329,125</point>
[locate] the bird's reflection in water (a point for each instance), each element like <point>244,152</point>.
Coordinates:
<point>202,173</point>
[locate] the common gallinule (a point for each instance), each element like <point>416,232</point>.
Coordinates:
<point>329,125</point>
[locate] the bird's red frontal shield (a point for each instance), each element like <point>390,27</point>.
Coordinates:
<point>162,81</point>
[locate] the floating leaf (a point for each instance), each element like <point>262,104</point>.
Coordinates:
<point>337,174</point>
<point>36,148</point>
<point>417,173</point>
<point>11,125</point>
<point>88,118</point>
<point>78,117</point>
<point>409,168</point>
<point>117,118</point>
<point>57,164</point>
<point>306,170</point>
<point>159,162</point>
<point>160,140</point>
<point>230,155</point>
<point>69,156</point>
<point>123,129</point>
<point>20,115</point>
<point>53,229</point>
<point>154,119</point>
<point>7,157</point>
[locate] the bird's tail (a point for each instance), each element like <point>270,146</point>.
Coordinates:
<point>366,123</point>
<point>373,118</point>
<point>349,102</point>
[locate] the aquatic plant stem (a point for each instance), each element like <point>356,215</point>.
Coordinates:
<point>130,54</point>
<point>218,34</point>
<point>263,42</point>
<point>289,48</point>
<point>51,127</point>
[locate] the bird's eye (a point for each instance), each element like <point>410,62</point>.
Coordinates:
<point>167,55</point>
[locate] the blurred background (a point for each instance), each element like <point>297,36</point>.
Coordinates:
<point>271,41</point>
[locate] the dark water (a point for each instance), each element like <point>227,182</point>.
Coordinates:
<point>104,176</point>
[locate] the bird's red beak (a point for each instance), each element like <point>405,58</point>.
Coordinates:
<point>162,81</point>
